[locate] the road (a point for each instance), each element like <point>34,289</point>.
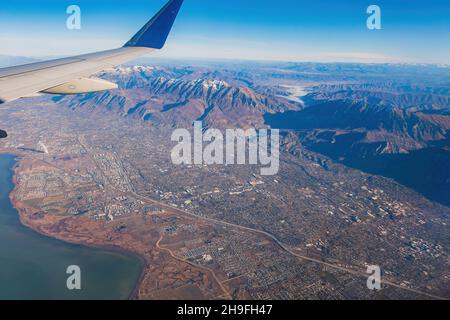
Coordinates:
<point>279,243</point>
<point>227,293</point>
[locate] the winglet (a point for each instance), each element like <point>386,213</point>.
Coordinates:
<point>154,34</point>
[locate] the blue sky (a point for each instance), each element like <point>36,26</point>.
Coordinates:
<point>295,30</point>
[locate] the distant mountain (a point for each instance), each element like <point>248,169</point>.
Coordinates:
<point>155,96</point>
<point>402,130</point>
<point>9,61</point>
<point>411,147</point>
<point>385,94</point>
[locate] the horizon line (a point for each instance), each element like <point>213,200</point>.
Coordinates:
<point>209,59</point>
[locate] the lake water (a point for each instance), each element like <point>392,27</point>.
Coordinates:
<point>33,266</point>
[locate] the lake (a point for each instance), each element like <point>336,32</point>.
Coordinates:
<point>33,266</point>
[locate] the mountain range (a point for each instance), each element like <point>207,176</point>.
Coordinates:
<point>396,126</point>
<point>151,95</point>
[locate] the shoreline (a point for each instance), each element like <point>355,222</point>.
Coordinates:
<point>25,221</point>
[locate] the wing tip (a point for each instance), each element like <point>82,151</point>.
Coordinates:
<point>155,32</point>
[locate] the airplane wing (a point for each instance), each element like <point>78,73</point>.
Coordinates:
<point>71,75</point>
